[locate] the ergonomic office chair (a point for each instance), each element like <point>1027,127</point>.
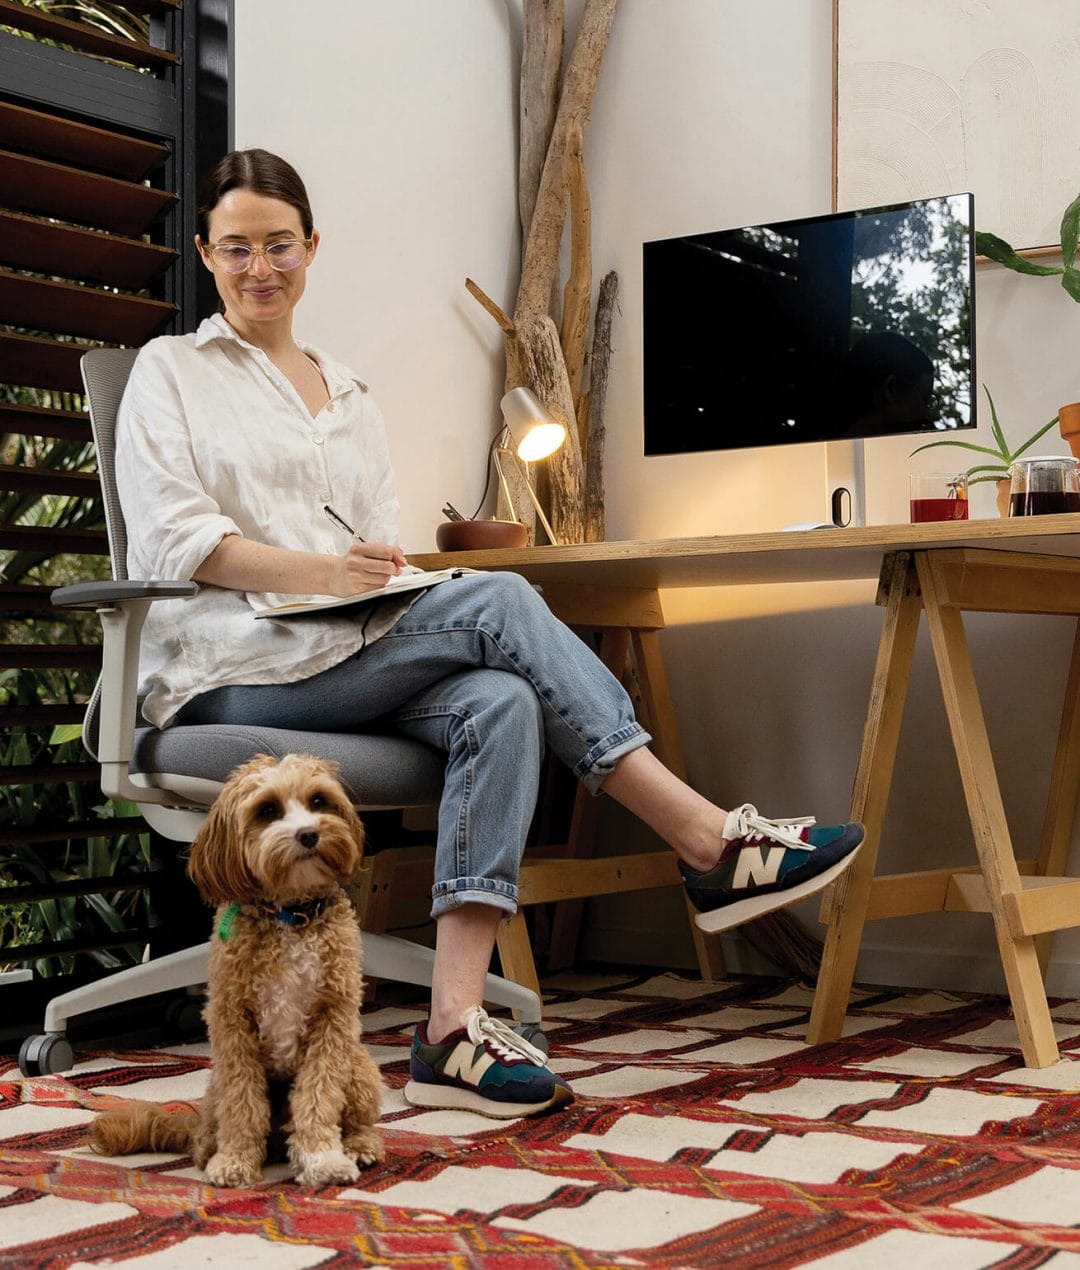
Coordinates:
<point>176,773</point>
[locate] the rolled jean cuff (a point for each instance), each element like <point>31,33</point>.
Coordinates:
<point>458,891</point>
<point>601,759</point>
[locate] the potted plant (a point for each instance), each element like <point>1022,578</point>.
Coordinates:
<point>1003,457</point>
<point>997,249</point>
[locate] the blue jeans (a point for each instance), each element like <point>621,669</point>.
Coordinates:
<point>480,668</point>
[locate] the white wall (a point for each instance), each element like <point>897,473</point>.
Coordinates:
<point>399,119</point>
<point>710,113</point>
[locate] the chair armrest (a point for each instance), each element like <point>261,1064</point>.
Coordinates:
<point>92,595</point>
<point>109,727</point>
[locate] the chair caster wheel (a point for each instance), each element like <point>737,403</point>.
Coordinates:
<point>46,1054</point>
<point>534,1034</point>
<point>184,1019</point>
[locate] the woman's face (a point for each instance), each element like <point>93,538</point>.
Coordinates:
<point>260,293</point>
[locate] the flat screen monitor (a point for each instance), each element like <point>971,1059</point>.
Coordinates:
<point>849,325</point>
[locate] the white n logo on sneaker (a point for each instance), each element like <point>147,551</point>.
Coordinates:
<point>757,866</point>
<point>468,1068</point>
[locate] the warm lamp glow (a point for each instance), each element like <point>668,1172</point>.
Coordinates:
<point>534,429</point>
<point>540,441</point>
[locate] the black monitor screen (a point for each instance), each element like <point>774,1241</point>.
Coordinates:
<point>856,324</point>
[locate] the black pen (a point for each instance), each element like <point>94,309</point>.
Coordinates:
<point>344,524</point>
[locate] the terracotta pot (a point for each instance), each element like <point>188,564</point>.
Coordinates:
<point>1069,426</point>
<point>1002,489</point>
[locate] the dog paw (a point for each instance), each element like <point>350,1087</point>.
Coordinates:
<point>232,1170</point>
<point>326,1168</point>
<point>365,1146</point>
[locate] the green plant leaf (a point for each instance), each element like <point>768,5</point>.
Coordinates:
<point>997,430</point>
<point>998,249</point>
<point>1071,282</point>
<point>64,732</point>
<point>964,445</point>
<point>1070,230</point>
<point>1032,439</point>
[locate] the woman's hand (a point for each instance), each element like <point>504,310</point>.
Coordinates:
<point>366,566</point>
<point>245,565</point>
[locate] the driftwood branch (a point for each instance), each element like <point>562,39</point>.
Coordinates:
<point>545,230</point>
<point>541,66</point>
<point>578,293</point>
<point>487,303</point>
<point>594,408</point>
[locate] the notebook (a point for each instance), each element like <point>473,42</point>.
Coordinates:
<point>402,584</point>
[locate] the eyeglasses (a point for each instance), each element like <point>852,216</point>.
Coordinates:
<point>237,257</point>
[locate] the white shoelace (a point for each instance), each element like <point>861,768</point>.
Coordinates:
<point>481,1027</point>
<point>746,822</point>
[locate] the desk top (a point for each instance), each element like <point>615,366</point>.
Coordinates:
<point>814,555</point>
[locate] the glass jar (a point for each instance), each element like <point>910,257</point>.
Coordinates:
<point>1044,485</point>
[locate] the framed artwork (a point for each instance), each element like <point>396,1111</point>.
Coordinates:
<point>947,96</point>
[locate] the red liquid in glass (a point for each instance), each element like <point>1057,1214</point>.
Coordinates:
<point>939,509</point>
<point>1044,503</point>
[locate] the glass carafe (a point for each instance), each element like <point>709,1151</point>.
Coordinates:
<point>1044,486</point>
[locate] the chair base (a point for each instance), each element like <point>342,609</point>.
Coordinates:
<point>385,957</point>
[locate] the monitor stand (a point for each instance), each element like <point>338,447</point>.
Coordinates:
<point>845,482</point>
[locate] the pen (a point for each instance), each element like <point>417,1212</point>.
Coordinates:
<point>344,524</point>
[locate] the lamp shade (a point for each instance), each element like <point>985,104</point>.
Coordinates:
<point>534,429</point>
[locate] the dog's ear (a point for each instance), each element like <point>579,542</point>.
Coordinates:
<point>356,828</point>
<point>217,865</point>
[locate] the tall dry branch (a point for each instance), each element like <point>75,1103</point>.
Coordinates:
<point>594,408</point>
<point>541,66</point>
<point>577,296</point>
<point>541,261</point>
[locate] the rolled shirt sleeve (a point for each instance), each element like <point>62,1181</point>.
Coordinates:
<point>176,523</point>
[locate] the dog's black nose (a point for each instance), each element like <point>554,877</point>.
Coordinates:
<point>308,838</point>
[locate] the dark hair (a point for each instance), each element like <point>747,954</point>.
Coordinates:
<point>258,171</point>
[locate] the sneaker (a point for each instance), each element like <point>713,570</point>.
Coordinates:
<point>767,864</point>
<point>484,1066</point>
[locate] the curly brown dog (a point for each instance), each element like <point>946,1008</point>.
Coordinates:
<point>283,1009</point>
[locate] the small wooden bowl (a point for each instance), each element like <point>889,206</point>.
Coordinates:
<point>480,535</point>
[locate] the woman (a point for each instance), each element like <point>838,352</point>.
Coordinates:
<point>230,442</point>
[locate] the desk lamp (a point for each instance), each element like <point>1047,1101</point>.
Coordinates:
<point>536,434</point>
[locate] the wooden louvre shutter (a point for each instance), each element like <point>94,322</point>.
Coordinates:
<point>97,173</point>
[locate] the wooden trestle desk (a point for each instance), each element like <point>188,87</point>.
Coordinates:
<point>943,569</point>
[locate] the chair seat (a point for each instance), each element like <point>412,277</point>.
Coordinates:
<point>378,770</point>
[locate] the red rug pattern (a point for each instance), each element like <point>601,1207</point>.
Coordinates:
<point>706,1133</point>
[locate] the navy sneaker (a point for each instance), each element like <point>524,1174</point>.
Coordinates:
<point>767,864</point>
<point>484,1066</point>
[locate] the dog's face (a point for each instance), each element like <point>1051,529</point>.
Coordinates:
<point>282,831</point>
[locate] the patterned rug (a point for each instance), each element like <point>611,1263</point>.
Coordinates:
<point>705,1133</point>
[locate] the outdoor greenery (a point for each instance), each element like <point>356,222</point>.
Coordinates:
<point>103,15</point>
<point>54,802</point>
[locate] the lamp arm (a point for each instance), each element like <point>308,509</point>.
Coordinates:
<point>496,450</point>
<point>502,450</point>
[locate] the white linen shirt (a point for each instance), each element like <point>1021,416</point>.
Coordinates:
<point>212,439</point>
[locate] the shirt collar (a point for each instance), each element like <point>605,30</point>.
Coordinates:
<point>339,379</point>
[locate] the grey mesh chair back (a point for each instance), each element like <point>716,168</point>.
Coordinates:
<point>105,373</point>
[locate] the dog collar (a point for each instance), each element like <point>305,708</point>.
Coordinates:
<point>291,914</point>
<point>295,914</point>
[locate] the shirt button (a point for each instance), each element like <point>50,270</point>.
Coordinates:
<point>317,438</point>
<point>324,497</point>
<point>331,407</point>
